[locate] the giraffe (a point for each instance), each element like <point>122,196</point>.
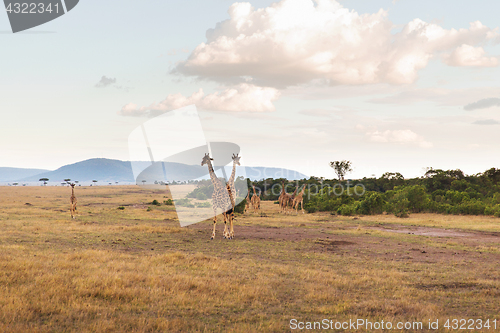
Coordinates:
<point>282,196</point>
<point>255,200</point>
<point>299,199</point>
<point>290,200</point>
<point>287,200</point>
<point>73,201</point>
<point>220,199</point>
<point>230,182</point>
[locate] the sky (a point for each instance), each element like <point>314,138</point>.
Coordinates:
<point>392,86</point>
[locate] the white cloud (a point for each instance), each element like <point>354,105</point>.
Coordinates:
<point>295,41</point>
<point>400,137</point>
<point>243,97</point>
<point>467,55</point>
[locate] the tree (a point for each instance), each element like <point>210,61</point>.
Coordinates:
<point>44,180</point>
<point>341,168</point>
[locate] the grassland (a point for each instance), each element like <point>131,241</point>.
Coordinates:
<point>136,270</point>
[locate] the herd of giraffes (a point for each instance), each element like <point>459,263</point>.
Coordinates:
<point>224,198</point>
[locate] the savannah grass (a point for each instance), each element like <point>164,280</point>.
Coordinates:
<point>134,270</point>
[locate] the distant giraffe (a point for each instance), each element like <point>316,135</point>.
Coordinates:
<point>220,199</point>
<point>299,199</point>
<point>287,200</point>
<point>282,196</point>
<point>73,201</point>
<point>230,182</point>
<point>255,200</point>
<point>291,198</point>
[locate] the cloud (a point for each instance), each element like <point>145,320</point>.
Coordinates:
<point>467,55</point>
<point>293,42</point>
<point>483,104</point>
<point>105,81</point>
<point>400,137</point>
<point>486,122</point>
<point>440,96</point>
<point>243,97</point>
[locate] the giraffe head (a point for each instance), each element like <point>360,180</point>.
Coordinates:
<point>206,159</point>
<point>236,159</point>
<point>72,185</point>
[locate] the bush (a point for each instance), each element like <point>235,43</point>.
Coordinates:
<point>201,196</point>
<point>372,203</point>
<point>168,202</point>
<point>156,202</point>
<point>347,210</point>
<point>184,203</point>
<point>203,205</point>
<point>121,208</point>
<point>240,208</point>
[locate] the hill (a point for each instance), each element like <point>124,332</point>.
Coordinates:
<point>13,174</point>
<point>111,171</point>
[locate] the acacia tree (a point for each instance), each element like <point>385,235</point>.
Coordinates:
<point>44,180</point>
<point>341,168</point>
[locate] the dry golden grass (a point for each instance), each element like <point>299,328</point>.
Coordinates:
<point>135,270</point>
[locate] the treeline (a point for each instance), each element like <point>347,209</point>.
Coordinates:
<point>438,191</point>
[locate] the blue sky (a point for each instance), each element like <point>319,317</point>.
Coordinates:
<point>295,83</point>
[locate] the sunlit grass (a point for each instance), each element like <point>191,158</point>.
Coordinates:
<point>133,270</point>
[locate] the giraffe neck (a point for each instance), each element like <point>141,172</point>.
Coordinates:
<point>213,176</point>
<point>72,191</point>
<point>233,173</point>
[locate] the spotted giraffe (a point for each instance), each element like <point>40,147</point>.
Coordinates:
<point>230,182</point>
<point>220,199</point>
<point>73,201</point>
<point>282,196</point>
<point>287,200</point>
<point>299,199</point>
<point>255,200</point>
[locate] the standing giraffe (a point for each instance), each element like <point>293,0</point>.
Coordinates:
<point>255,200</point>
<point>73,201</point>
<point>287,200</point>
<point>220,199</point>
<point>299,199</point>
<point>290,200</point>
<point>282,196</point>
<point>230,182</point>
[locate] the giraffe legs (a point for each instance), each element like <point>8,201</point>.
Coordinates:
<point>231,230</point>
<point>215,223</point>
<point>73,210</point>
<point>226,230</point>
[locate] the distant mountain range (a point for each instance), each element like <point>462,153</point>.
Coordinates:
<point>11,174</point>
<point>111,171</point>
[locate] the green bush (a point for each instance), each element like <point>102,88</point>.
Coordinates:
<point>156,202</point>
<point>203,205</point>
<point>121,208</point>
<point>348,210</point>
<point>201,196</point>
<point>240,208</point>
<point>168,202</point>
<point>184,203</point>
<point>372,203</point>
